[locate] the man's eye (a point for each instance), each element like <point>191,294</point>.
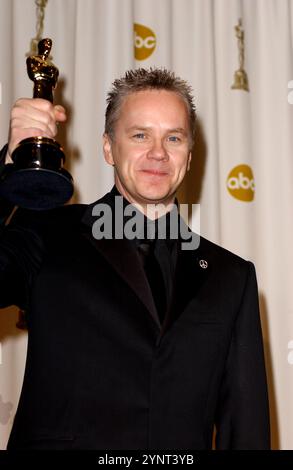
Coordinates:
<point>173,138</point>
<point>140,135</point>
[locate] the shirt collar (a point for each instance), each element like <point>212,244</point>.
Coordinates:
<point>151,228</point>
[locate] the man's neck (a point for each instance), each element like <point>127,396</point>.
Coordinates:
<point>152,210</point>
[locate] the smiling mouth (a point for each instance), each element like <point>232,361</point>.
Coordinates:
<point>155,172</point>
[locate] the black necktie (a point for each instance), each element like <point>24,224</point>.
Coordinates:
<point>153,271</point>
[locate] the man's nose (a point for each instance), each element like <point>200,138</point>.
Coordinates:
<point>157,150</point>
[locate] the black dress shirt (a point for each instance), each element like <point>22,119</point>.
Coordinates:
<point>158,254</point>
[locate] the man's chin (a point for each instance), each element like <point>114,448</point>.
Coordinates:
<point>152,197</point>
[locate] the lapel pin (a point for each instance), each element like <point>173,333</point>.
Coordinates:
<point>203,263</point>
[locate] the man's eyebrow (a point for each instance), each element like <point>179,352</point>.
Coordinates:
<point>138,128</point>
<point>178,130</point>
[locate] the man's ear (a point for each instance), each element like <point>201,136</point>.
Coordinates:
<point>107,149</point>
<point>189,160</point>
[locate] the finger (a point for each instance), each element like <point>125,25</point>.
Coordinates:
<point>32,132</point>
<point>39,109</point>
<point>26,123</point>
<point>32,117</point>
<point>39,104</point>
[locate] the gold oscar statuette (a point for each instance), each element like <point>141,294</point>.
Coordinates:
<point>36,179</point>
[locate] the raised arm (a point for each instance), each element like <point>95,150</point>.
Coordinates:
<point>21,245</point>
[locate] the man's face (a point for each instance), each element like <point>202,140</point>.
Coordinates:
<point>150,149</point>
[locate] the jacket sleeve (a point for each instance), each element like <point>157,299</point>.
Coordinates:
<point>5,206</point>
<point>243,411</point>
<point>20,252</point>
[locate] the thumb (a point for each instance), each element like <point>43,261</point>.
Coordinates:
<point>60,113</point>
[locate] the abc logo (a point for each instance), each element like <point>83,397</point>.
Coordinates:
<point>144,41</point>
<point>240,183</point>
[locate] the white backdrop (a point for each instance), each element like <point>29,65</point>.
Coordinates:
<point>247,208</point>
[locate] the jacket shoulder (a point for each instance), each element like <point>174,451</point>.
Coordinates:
<point>61,218</point>
<point>223,256</point>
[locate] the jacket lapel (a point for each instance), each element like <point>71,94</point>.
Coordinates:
<point>123,257</point>
<point>192,269</point>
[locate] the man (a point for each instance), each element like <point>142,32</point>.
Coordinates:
<point>116,361</point>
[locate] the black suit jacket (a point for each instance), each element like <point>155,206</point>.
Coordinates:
<point>101,371</point>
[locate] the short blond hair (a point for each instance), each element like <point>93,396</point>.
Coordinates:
<point>147,79</point>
